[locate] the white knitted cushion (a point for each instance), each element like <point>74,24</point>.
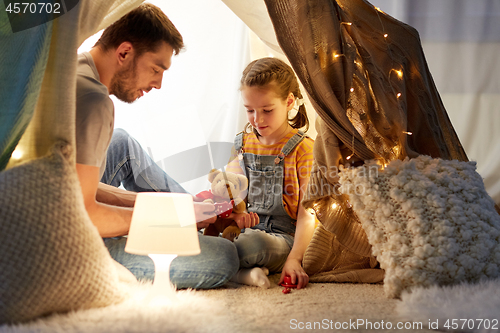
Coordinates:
<point>429,221</point>
<point>51,256</point>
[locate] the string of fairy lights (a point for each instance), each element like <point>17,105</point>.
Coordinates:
<point>398,72</point>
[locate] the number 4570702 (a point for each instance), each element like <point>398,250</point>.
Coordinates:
<point>455,324</point>
<point>33,8</point>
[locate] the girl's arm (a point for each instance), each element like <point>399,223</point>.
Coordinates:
<point>303,234</point>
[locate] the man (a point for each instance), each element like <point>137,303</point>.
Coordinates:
<point>129,60</point>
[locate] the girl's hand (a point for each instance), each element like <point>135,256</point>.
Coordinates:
<point>293,268</point>
<point>245,220</point>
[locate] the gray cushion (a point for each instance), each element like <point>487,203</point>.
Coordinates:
<point>429,221</point>
<point>52,257</point>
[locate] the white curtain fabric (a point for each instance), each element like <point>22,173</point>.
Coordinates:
<point>461,41</point>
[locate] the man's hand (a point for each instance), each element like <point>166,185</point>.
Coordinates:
<point>205,214</point>
<point>245,220</point>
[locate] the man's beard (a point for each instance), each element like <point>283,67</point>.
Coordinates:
<point>123,82</point>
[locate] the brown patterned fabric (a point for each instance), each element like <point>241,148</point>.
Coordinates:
<point>368,80</point>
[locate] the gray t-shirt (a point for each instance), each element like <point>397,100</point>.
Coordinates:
<point>95,115</point>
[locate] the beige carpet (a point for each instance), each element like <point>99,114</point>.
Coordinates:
<point>237,308</point>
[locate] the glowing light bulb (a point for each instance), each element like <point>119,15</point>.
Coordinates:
<point>398,95</point>
<point>336,55</point>
<point>17,154</point>
<point>400,74</point>
<point>409,133</point>
<point>334,205</point>
<point>346,23</point>
<point>386,35</point>
<point>349,157</point>
<point>352,89</point>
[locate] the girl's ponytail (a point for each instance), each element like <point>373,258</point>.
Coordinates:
<point>300,120</point>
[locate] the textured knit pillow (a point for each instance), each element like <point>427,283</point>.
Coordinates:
<point>51,256</point>
<point>429,221</point>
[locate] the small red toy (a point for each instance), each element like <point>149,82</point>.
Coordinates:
<point>224,209</point>
<point>287,283</point>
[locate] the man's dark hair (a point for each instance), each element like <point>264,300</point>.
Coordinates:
<point>144,27</point>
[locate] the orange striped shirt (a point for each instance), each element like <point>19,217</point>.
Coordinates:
<point>298,164</point>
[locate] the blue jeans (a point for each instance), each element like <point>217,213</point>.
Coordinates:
<point>257,248</point>
<point>213,267</point>
<point>128,164</point>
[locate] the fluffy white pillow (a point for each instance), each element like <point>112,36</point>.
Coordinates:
<point>51,256</point>
<point>429,221</point>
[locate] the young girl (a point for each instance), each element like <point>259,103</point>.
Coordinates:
<point>277,159</point>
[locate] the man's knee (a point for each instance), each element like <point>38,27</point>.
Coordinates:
<point>120,135</point>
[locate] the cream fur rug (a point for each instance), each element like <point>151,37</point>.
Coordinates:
<point>237,308</point>
<point>476,308</point>
<point>234,308</point>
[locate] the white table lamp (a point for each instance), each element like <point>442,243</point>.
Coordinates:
<point>163,227</point>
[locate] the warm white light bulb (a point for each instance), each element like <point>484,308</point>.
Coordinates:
<point>17,154</point>
<point>352,89</point>
<point>399,95</point>
<point>386,35</point>
<point>334,205</point>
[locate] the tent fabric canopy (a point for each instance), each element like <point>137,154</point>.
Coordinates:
<point>367,77</point>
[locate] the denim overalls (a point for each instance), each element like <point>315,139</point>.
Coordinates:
<point>268,243</point>
<point>265,175</point>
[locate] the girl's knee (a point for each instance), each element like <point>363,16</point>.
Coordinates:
<point>252,249</point>
<point>249,242</point>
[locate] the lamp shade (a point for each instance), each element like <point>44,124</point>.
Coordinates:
<point>163,223</point>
